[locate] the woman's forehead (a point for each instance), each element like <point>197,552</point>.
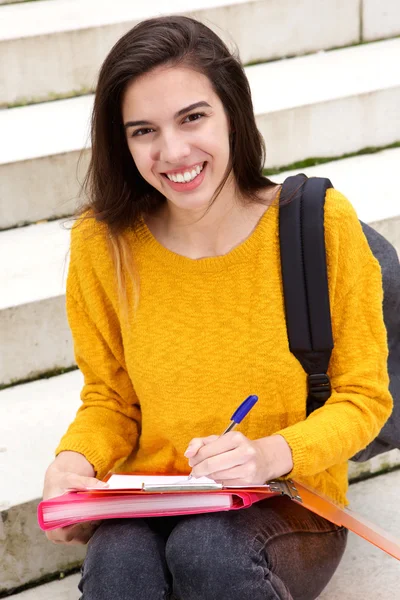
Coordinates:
<point>168,88</point>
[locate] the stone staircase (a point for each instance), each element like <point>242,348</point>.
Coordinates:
<point>326,85</point>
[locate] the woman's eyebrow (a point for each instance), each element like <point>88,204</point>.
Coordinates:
<point>180,112</point>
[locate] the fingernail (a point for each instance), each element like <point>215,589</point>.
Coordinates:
<point>189,452</point>
<point>102,484</point>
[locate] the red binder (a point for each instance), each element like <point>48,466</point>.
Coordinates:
<point>180,498</point>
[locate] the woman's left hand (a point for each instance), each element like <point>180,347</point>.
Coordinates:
<point>233,459</point>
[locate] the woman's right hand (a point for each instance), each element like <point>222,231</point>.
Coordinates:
<point>70,471</point>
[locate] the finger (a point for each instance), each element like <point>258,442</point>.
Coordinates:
<point>220,462</point>
<point>82,534</point>
<point>239,475</point>
<point>219,445</point>
<point>61,535</point>
<point>72,535</point>
<point>196,443</point>
<point>80,482</point>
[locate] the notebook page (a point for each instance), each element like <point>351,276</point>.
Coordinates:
<point>136,482</point>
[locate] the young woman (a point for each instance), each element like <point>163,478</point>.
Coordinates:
<point>175,303</point>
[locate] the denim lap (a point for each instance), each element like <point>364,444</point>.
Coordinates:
<point>273,550</point>
<point>125,559</point>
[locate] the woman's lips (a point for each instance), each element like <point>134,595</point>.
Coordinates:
<point>187,186</point>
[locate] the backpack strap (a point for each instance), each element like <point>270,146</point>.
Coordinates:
<point>305,281</point>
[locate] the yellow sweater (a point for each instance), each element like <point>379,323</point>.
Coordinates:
<point>209,332</point>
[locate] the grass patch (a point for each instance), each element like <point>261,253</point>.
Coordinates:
<point>385,468</point>
<point>50,97</point>
<point>262,61</point>
<point>320,160</point>
<point>17,2</point>
<point>27,223</point>
<point>58,576</point>
<point>38,377</point>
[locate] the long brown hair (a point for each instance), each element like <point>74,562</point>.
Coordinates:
<point>115,191</point>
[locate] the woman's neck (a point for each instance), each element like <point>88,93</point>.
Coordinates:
<point>227,223</point>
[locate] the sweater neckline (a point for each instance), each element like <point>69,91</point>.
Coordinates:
<point>238,254</point>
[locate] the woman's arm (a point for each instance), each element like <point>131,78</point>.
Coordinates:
<point>106,428</point>
<point>360,402</point>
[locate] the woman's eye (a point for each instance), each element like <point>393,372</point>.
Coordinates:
<point>140,132</point>
<point>188,119</point>
<point>195,116</point>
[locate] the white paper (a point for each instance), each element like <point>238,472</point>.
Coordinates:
<point>135,482</point>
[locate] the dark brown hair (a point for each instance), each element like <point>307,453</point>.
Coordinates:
<point>115,191</point>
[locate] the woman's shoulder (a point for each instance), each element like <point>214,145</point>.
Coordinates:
<point>91,267</point>
<point>89,248</point>
<point>347,248</point>
<point>342,226</point>
<point>89,237</point>
<point>338,209</point>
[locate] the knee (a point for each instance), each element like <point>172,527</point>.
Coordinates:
<point>205,547</point>
<point>123,556</point>
<point>104,548</point>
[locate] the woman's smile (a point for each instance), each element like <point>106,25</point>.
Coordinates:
<point>186,181</point>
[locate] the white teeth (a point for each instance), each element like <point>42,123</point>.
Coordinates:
<point>186,176</point>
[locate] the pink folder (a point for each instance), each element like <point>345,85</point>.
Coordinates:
<point>181,498</point>
<point>234,501</point>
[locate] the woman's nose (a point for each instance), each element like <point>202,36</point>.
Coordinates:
<point>172,149</point>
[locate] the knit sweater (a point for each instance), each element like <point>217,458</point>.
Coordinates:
<point>207,333</point>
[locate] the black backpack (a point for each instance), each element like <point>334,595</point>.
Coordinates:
<point>305,284</point>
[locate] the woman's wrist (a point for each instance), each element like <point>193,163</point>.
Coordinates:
<point>277,455</point>
<point>73,462</point>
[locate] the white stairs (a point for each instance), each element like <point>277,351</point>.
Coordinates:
<point>326,85</point>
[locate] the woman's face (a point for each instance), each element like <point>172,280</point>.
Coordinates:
<point>178,135</point>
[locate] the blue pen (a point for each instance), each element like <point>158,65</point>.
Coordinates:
<point>239,415</point>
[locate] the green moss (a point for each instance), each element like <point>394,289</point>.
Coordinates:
<point>17,2</point>
<point>261,61</point>
<point>71,570</point>
<point>385,467</point>
<point>50,97</point>
<point>38,376</point>
<point>26,223</point>
<point>320,160</point>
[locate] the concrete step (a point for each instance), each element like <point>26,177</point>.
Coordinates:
<point>364,573</point>
<point>32,312</point>
<point>380,19</point>
<point>320,108</point>
<point>33,417</point>
<point>72,37</point>
<point>33,323</point>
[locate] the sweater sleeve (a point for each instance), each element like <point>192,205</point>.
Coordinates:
<point>106,427</point>
<point>360,402</point>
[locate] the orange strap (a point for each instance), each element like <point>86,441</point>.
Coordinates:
<point>342,516</point>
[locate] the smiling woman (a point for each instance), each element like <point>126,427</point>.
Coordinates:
<point>176,142</point>
<point>174,298</point>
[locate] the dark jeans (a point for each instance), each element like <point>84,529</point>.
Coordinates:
<point>273,550</point>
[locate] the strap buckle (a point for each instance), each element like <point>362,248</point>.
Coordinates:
<point>319,386</point>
